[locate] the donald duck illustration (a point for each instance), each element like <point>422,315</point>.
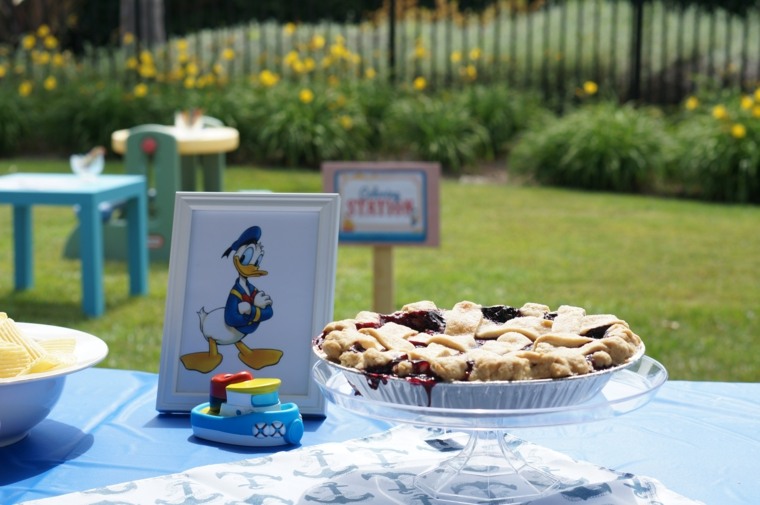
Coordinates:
<point>246,308</point>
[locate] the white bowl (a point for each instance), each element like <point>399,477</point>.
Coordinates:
<point>493,395</point>
<point>26,400</point>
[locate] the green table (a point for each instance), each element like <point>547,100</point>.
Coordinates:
<point>202,148</point>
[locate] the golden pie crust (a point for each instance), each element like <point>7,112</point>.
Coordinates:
<point>470,342</point>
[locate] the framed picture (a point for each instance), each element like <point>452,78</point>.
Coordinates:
<point>251,282</point>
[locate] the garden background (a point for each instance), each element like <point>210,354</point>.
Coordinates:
<point>652,105</point>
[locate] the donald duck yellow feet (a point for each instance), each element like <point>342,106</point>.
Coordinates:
<point>203,362</point>
<point>258,358</point>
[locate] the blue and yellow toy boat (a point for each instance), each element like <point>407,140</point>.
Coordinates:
<point>247,411</point>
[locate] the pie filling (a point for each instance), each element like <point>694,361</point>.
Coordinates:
<point>470,342</point>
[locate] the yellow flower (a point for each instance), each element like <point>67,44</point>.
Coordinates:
<point>470,72</point>
<point>317,42</point>
<point>306,95</point>
<point>192,69</point>
<point>228,54</point>
<point>290,58</point>
<point>128,39</point>
<point>50,83</point>
<point>339,51</point>
<point>475,53</point>
<point>346,122</point>
<point>140,90</point>
<point>298,67</point>
<point>590,87</point>
<point>132,63</point>
<point>51,42</point>
<point>41,57</point>
<point>28,42</point>
<point>691,103</point>
<point>217,68</point>
<point>738,131</point>
<point>420,52</point>
<point>146,57</point>
<point>757,94</point>
<point>370,73</point>
<point>289,28</point>
<point>747,102</point>
<point>720,112</point>
<point>181,45</point>
<point>756,112</point>
<point>268,78</point>
<point>43,31</point>
<point>189,82</point>
<point>309,64</point>
<point>456,57</point>
<point>25,88</point>
<point>3,71</point>
<point>147,71</point>
<point>419,83</point>
<point>58,60</point>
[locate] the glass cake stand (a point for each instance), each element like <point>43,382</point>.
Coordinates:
<point>486,469</point>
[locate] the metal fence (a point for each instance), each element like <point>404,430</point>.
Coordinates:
<point>652,51</point>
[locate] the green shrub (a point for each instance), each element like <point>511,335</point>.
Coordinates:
<point>437,128</point>
<point>601,146</point>
<point>14,121</point>
<point>307,124</point>
<point>374,98</point>
<point>718,149</point>
<point>85,115</point>
<point>504,112</point>
<point>240,107</point>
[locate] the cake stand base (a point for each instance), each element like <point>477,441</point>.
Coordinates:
<point>490,468</point>
<point>486,470</point>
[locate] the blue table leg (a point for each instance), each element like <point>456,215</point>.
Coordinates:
<point>137,242</point>
<point>91,247</point>
<point>22,247</point>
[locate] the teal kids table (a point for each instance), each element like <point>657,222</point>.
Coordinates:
<point>23,191</point>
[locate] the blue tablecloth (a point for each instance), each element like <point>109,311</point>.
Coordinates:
<point>699,439</point>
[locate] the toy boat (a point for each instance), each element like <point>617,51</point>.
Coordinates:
<point>247,411</point>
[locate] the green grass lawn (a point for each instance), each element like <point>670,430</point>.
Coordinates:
<point>685,275</point>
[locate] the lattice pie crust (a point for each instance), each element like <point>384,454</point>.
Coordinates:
<point>470,342</point>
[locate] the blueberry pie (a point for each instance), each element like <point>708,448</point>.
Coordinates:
<point>475,343</point>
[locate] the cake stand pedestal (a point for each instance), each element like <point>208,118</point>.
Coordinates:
<point>489,468</point>
<point>484,471</point>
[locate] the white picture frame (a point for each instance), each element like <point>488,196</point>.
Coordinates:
<point>292,301</point>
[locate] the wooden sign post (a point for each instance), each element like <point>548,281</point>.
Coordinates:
<point>385,205</point>
<point>382,269</point>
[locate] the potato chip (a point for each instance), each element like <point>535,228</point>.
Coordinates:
<point>60,345</point>
<point>14,359</point>
<point>10,333</point>
<point>50,362</point>
<point>21,355</point>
